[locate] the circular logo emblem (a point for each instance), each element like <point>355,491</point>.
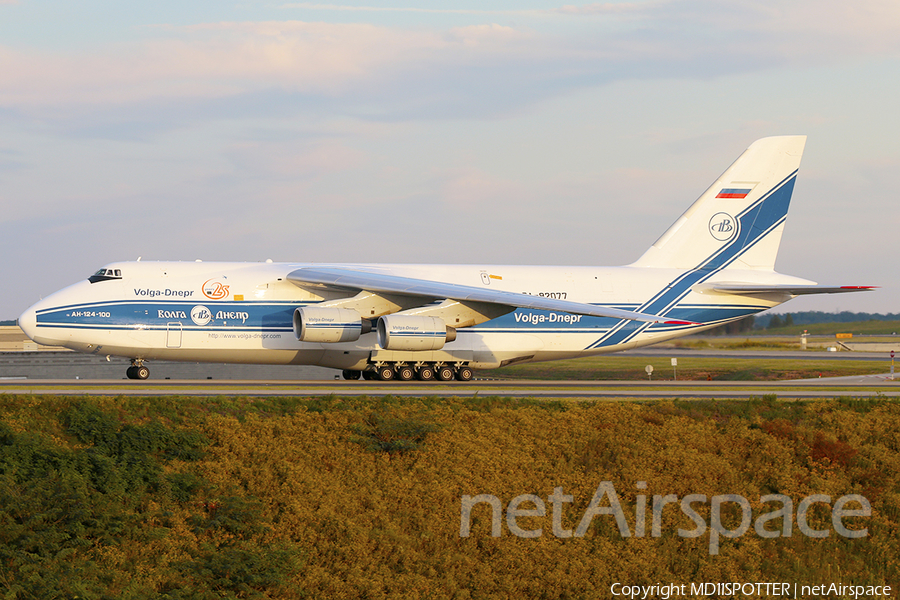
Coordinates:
<point>215,290</point>
<point>723,226</point>
<point>201,315</point>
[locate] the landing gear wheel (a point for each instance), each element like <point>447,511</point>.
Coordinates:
<point>405,373</point>
<point>385,373</point>
<point>425,374</point>
<point>137,370</point>
<point>445,373</point>
<point>351,374</point>
<point>464,374</point>
<point>369,375</point>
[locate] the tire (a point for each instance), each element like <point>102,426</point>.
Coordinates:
<point>425,374</point>
<point>385,373</point>
<point>405,373</point>
<point>141,372</point>
<point>130,373</point>
<point>464,374</point>
<point>369,375</point>
<point>351,374</point>
<point>445,373</point>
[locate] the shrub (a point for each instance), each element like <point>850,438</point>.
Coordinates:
<point>390,434</point>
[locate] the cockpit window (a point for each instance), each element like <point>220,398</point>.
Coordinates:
<point>105,275</point>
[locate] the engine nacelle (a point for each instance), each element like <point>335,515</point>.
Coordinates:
<point>410,332</point>
<point>312,324</point>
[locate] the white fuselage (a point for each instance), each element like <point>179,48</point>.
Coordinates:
<point>242,313</point>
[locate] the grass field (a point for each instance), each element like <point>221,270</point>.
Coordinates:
<point>624,367</point>
<point>361,498</point>
<point>871,327</point>
<point>770,341</point>
<point>738,343</point>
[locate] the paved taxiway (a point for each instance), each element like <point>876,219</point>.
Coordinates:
<point>72,373</point>
<point>65,365</point>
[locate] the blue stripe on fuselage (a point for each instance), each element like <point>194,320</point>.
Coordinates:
<point>152,315</point>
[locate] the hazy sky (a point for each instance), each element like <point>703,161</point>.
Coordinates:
<point>488,132</point>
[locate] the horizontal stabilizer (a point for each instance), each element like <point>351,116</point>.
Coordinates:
<point>430,291</point>
<point>793,290</point>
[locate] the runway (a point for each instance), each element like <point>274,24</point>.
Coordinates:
<point>72,373</point>
<point>870,386</point>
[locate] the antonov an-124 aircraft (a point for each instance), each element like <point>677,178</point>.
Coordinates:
<point>438,322</point>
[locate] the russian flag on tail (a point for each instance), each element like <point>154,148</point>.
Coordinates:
<point>733,193</point>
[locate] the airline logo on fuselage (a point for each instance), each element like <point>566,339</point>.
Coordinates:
<point>723,226</point>
<point>166,293</point>
<point>538,318</point>
<point>201,315</point>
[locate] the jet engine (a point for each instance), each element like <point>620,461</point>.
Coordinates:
<point>410,332</point>
<point>313,324</point>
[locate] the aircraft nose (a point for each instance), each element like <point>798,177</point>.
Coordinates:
<point>28,323</point>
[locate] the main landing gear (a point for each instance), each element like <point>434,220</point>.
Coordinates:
<point>407,372</point>
<point>137,370</point>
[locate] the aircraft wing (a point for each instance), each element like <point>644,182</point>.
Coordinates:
<point>794,290</point>
<point>430,291</point>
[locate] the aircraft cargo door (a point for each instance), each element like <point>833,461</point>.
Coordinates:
<point>173,335</point>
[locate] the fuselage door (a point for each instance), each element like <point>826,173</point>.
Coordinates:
<point>173,335</point>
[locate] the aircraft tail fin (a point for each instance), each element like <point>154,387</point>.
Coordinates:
<point>738,221</point>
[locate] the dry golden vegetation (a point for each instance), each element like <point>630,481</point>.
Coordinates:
<point>361,498</point>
